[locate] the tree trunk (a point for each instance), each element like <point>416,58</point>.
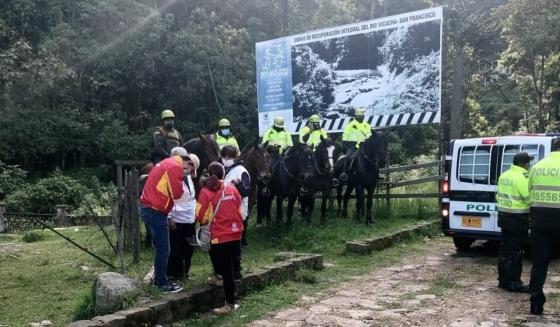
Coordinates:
<point>285,8</point>
<point>456,115</point>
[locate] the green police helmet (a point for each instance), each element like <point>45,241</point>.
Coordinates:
<point>223,123</point>
<point>166,114</point>
<point>360,112</point>
<point>314,119</point>
<point>279,121</point>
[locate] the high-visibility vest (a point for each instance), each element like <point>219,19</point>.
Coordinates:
<point>281,138</point>
<point>544,182</point>
<point>223,141</point>
<point>513,191</point>
<point>356,132</point>
<point>314,136</point>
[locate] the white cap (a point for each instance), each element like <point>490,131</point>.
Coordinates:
<point>196,162</point>
<point>179,151</point>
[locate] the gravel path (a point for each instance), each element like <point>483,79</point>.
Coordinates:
<point>438,287</point>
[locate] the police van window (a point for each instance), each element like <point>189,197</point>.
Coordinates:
<point>510,151</point>
<point>474,164</point>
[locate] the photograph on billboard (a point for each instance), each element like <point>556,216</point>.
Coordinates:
<point>390,66</point>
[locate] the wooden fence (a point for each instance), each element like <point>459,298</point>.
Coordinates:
<point>387,185</point>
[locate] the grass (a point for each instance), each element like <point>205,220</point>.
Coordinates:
<point>45,279</point>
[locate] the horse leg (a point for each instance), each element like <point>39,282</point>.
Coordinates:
<point>326,194</point>
<point>260,208</point>
<point>279,201</point>
<point>347,193</point>
<point>291,203</point>
<point>304,207</point>
<point>359,201</point>
<point>369,215</point>
<point>310,206</point>
<point>339,200</point>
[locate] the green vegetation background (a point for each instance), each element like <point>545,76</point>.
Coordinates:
<point>82,82</point>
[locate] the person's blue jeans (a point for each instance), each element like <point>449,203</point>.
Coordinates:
<point>157,223</point>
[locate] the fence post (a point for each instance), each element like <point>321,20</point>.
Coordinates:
<point>61,215</point>
<point>134,215</point>
<point>3,228</point>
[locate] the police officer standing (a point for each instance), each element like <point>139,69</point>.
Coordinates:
<point>166,137</point>
<point>224,136</point>
<point>544,188</point>
<point>513,218</point>
<point>312,132</point>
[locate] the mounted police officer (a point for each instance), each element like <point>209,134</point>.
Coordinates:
<point>356,132</point>
<point>224,136</point>
<point>312,132</point>
<point>513,218</point>
<point>166,137</point>
<point>277,138</point>
<point>544,188</point>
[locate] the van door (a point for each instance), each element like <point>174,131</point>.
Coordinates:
<point>537,147</point>
<point>473,187</point>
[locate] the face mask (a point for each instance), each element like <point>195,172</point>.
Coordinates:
<point>225,131</point>
<point>227,162</point>
<point>169,125</point>
<point>316,126</point>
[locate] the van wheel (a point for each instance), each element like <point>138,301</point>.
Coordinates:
<point>463,243</point>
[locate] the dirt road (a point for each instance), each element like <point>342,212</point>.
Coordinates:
<point>438,287</point>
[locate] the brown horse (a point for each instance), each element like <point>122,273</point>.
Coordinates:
<point>255,160</point>
<point>204,146</point>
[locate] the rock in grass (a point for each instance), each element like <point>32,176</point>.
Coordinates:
<point>112,290</point>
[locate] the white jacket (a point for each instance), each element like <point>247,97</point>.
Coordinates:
<point>183,211</point>
<point>235,174</point>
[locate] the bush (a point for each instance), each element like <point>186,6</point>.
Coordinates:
<point>43,196</point>
<point>11,178</point>
<point>33,236</point>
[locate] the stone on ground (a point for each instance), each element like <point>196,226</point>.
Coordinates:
<point>110,289</point>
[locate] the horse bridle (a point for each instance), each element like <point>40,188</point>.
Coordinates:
<point>316,167</point>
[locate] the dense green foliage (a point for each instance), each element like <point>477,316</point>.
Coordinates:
<point>83,82</point>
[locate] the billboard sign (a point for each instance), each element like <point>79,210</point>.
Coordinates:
<point>389,66</point>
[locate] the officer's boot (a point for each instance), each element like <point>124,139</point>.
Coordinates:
<point>503,278</point>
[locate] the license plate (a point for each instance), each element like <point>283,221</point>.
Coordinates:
<point>468,221</point>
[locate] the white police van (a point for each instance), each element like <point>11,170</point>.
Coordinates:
<point>468,190</point>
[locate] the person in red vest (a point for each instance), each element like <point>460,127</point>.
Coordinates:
<point>163,186</point>
<point>219,204</point>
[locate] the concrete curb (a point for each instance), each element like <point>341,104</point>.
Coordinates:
<point>379,243</point>
<point>178,306</point>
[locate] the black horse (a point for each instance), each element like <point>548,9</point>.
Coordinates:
<point>255,160</point>
<point>323,167</point>
<point>363,172</point>
<point>289,176</point>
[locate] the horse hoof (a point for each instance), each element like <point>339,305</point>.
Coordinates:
<point>335,182</point>
<point>343,177</point>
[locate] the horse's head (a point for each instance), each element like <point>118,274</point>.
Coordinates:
<point>299,161</point>
<point>205,148</point>
<point>255,159</point>
<point>324,154</point>
<point>210,147</point>
<point>375,147</point>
